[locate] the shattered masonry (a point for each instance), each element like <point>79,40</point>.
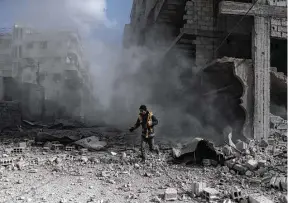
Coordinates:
<point>197,28</point>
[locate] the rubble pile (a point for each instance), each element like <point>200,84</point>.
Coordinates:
<point>256,172</point>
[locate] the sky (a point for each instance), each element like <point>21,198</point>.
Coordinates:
<point>112,15</point>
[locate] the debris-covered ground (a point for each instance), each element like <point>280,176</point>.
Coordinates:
<point>35,170</point>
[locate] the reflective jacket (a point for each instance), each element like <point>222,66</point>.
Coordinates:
<point>143,121</point>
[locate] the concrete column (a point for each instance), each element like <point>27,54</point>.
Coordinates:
<point>261,56</point>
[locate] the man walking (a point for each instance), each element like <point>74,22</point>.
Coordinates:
<point>147,120</point>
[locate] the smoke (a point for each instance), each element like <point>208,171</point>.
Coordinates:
<point>122,79</point>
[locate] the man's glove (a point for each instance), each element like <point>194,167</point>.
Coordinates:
<point>131,129</point>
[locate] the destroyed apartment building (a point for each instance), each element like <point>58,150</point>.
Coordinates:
<point>239,49</point>
<point>42,74</point>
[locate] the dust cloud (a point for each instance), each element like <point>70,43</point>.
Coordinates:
<point>123,79</point>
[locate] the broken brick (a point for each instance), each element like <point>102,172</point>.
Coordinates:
<point>170,194</point>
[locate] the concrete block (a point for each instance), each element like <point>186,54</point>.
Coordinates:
<point>210,194</point>
<point>18,150</point>
<point>6,162</point>
<point>281,28</point>
<point>197,187</point>
<point>34,162</point>
<point>22,144</point>
<point>170,194</point>
<point>69,148</point>
<point>252,164</point>
<point>275,33</point>
<point>57,146</point>
<point>275,21</point>
<point>236,194</point>
<point>257,198</point>
<point>70,157</point>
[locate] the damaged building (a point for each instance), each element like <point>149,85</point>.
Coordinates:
<point>239,49</point>
<point>44,71</point>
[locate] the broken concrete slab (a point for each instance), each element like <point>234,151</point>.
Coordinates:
<point>91,143</point>
<point>257,198</point>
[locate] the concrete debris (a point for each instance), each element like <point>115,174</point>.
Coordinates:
<point>257,198</point>
<point>83,171</point>
<point>91,143</point>
<point>252,164</point>
<point>170,194</point>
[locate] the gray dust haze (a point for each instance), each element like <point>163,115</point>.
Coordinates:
<point>122,79</point>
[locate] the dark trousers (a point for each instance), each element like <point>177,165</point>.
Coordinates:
<point>150,141</point>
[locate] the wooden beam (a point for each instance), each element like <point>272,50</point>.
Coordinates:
<point>237,8</point>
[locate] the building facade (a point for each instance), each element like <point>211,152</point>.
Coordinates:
<point>52,60</point>
<point>207,30</point>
